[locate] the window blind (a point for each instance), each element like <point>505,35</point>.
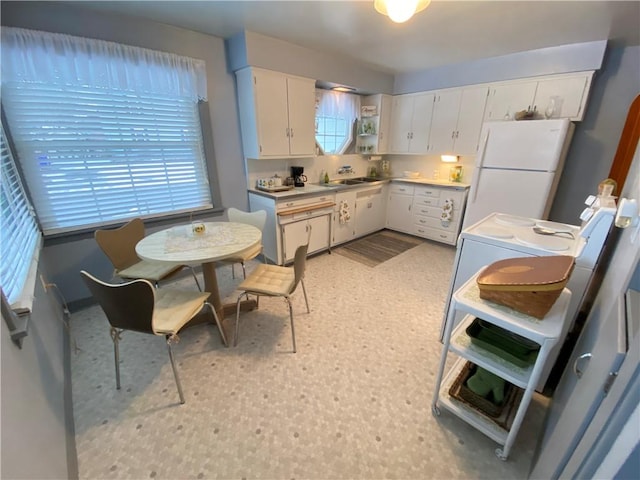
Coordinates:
<point>94,155</point>
<point>19,235</point>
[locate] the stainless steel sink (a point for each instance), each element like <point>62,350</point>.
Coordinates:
<point>351,181</point>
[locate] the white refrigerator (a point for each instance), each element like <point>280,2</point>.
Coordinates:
<point>517,168</point>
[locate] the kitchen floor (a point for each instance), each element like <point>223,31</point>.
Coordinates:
<point>353,403</point>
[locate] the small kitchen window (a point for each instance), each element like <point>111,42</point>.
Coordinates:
<point>336,113</point>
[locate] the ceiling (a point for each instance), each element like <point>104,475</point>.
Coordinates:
<point>447,32</point>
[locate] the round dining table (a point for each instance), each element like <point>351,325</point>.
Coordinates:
<point>191,245</point>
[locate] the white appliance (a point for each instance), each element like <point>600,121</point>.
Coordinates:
<point>593,425</point>
<point>499,236</point>
<point>518,168</point>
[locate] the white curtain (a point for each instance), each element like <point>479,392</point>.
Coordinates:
<point>34,56</point>
<point>330,103</point>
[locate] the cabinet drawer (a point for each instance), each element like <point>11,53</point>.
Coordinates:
<point>426,210</point>
<point>456,197</point>
<point>292,204</point>
<point>435,234</point>
<point>401,188</point>
<point>433,222</point>
<point>427,191</point>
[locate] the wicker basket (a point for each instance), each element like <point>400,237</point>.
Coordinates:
<point>501,415</point>
<point>530,285</point>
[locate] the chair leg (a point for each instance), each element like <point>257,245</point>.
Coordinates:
<point>293,330</point>
<point>235,336</point>
<point>193,272</point>
<point>304,290</point>
<point>218,323</point>
<point>173,367</point>
<point>115,336</point>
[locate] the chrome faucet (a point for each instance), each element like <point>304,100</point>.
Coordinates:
<point>346,169</point>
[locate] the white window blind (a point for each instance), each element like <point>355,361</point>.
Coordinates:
<point>19,235</point>
<point>101,139</point>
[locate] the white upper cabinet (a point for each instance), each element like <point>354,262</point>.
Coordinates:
<point>556,96</point>
<point>277,114</point>
<point>563,97</point>
<point>505,99</point>
<point>375,137</point>
<point>411,123</point>
<point>457,121</point>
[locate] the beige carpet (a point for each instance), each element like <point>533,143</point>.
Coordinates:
<point>353,403</point>
<point>378,247</point>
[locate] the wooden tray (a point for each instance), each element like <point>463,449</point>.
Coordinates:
<point>282,188</point>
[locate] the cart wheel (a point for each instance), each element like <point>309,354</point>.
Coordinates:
<point>435,410</point>
<point>500,455</point>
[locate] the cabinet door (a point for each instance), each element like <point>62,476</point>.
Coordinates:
<point>399,216</point>
<point>294,235</point>
<point>301,108</point>
<point>369,211</point>
<point>568,95</point>
<point>445,119</point>
<point>421,123</point>
<point>384,126</point>
<point>343,232</point>
<point>472,106</point>
<point>272,114</point>
<point>508,98</point>
<point>319,233</point>
<point>401,122</point>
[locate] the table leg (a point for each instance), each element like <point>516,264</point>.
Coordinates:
<point>211,286</point>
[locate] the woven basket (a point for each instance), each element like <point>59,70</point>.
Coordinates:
<point>501,415</point>
<point>530,285</point>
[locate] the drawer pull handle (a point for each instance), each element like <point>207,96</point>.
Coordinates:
<point>576,369</point>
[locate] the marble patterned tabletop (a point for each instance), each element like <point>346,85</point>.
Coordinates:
<point>181,245</point>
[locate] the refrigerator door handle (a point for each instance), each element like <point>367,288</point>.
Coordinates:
<point>479,162</point>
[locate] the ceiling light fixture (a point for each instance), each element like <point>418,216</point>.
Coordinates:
<point>343,89</point>
<point>400,10</point>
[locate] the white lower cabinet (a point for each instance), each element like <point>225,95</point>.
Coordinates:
<point>344,223</point>
<point>427,211</point>
<point>457,343</point>
<point>399,207</point>
<point>370,211</point>
<point>288,222</point>
<point>295,234</point>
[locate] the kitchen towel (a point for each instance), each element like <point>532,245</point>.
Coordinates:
<point>447,212</point>
<point>343,215</point>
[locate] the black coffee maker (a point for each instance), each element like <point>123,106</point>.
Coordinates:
<point>298,176</point>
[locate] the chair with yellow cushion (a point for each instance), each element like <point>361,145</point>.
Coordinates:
<point>275,281</point>
<point>139,307</point>
<point>258,220</point>
<point>119,245</point>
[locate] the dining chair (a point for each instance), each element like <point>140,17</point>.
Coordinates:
<point>119,245</point>
<point>139,307</point>
<point>258,220</point>
<point>275,281</point>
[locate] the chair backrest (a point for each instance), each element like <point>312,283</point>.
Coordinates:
<point>119,244</point>
<point>128,306</point>
<point>257,218</point>
<point>299,264</point>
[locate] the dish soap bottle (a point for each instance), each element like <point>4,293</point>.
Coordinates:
<point>326,177</point>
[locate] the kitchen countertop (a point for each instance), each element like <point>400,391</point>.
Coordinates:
<point>315,189</point>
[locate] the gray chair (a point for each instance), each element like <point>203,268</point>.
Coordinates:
<point>275,281</point>
<point>257,219</point>
<point>119,245</point>
<point>138,306</point>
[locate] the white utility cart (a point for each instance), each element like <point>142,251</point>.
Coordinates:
<point>544,332</point>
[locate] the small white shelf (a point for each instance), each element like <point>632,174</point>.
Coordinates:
<point>461,345</point>
<point>467,413</point>
<point>545,332</point>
